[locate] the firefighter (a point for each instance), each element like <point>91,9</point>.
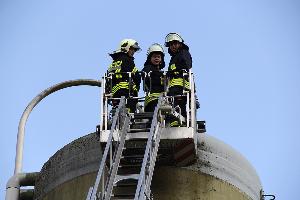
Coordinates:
<point>123,83</point>
<point>153,76</point>
<point>180,63</point>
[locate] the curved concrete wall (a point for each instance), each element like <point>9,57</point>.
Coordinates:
<point>72,170</point>
<point>178,184</point>
<point>220,160</point>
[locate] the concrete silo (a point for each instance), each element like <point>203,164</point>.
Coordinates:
<point>220,172</point>
<point>203,168</point>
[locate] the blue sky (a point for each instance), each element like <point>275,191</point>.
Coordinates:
<point>246,58</point>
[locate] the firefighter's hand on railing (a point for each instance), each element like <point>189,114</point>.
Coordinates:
<point>197,103</point>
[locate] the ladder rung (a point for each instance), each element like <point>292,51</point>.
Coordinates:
<point>126,184</point>
<point>134,151</point>
<point>126,177</point>
<point>136,130</point>
<point>128,171</point>
<point>122,196</point>
<point>132,156</point>
<point>148,122</point>
<point>144,115</point>
<point>131,161</point>
<point>133,165</point>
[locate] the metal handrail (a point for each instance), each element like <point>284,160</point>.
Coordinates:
<point>33,103</point>
<point>150,154</point>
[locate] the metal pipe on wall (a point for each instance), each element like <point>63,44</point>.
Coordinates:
<point>14,183</point>
<point>33,103</point>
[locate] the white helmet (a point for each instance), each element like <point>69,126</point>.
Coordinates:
<point>125,45</point>
<point>155,48</point>
<point>173,37</point>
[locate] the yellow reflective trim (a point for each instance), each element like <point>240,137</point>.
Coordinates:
<point>179,82</point>
<point>151,97</point>
<point>115,65</point>
<point>174,123</point>
<point>121,85</point>
<point>173,67</point>
<point>134,70</point>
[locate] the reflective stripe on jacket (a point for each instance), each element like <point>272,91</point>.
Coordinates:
<point>118,86</point>
<point>121,65</point>
<point>180,62</point>
<point>179,82</point>
<point>151,97</point>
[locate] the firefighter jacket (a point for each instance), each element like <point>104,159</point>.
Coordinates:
<point>153,82</point>
<point>180,61</point>
<point>121,64</point>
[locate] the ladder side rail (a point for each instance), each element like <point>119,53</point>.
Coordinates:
<point>186,91</point>
<point>187,108</point>
<point>193,109</point>
<point>115,143</point>
<point>130,83</point>
<point>153,160</point>
<point>108,82</point>
<point>116,160</point>
<point>107,147</point>
<point>106,113</point>
<point>102,103</point>
<point>89,195</point>
<point>150,141</point>
<point>193,101</point>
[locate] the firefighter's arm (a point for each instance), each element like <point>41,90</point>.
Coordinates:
<point>186,60</point>
<point>136,78</point>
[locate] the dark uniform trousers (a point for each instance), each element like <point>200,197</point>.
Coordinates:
<point>130,102</point>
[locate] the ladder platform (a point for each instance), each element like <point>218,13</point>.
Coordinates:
<point>170,133</point>
<point>139,141</point>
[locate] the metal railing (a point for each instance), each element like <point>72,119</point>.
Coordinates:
<point>145,177</point>
<point>118,122</point>
<point>188,93</point>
